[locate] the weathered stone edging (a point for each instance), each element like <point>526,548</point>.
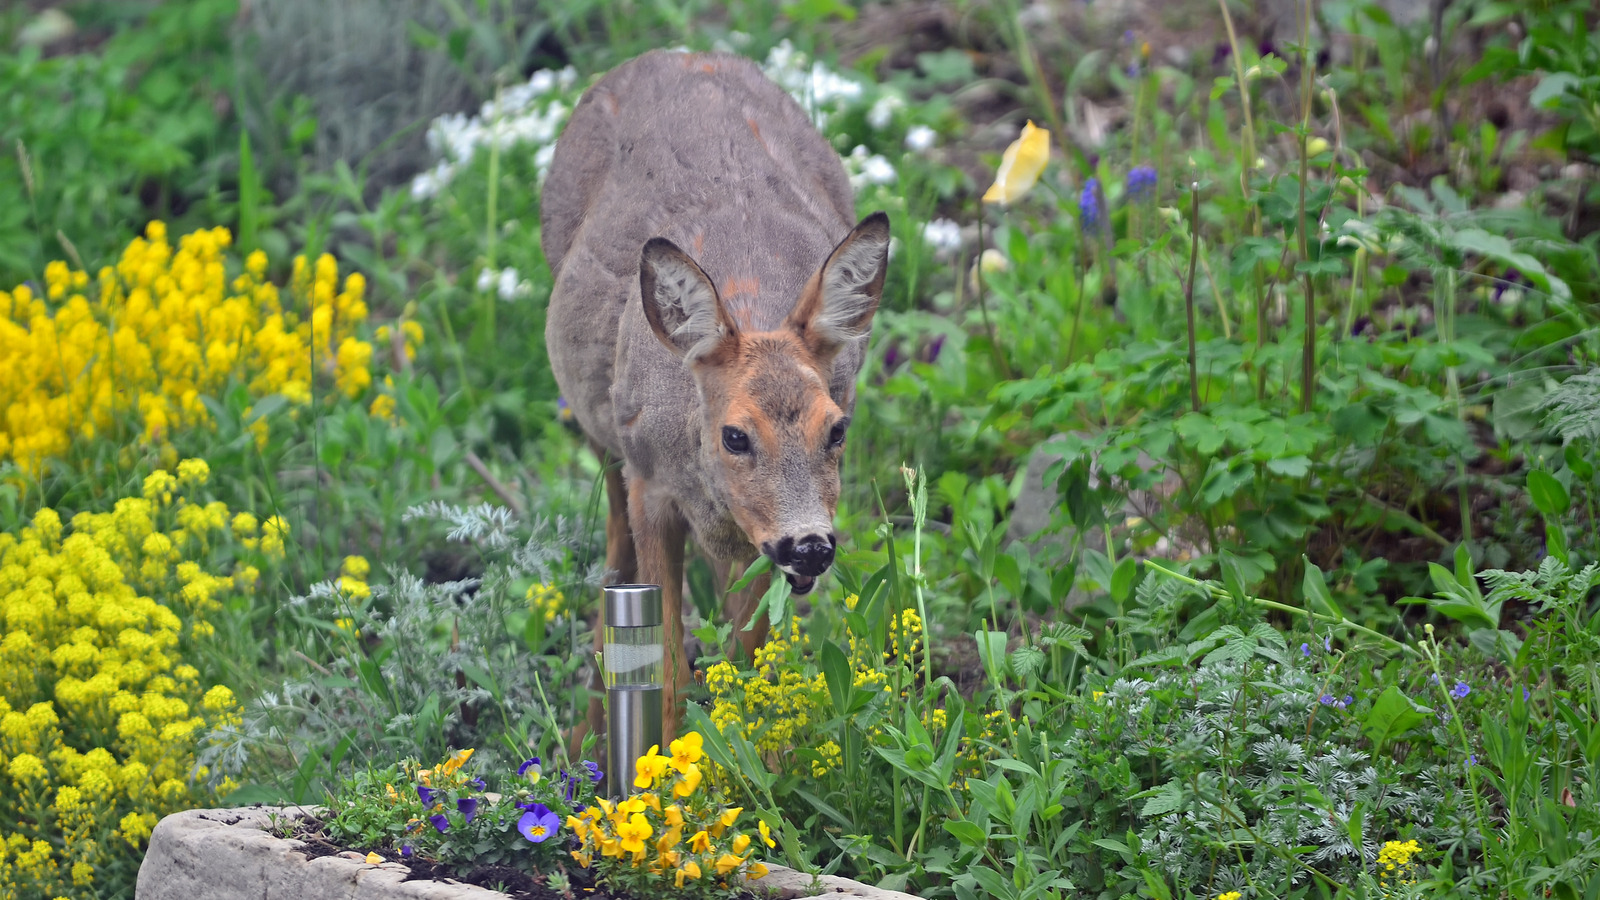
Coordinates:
<point>229,854</point>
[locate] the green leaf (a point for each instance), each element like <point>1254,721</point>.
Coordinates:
<point>1315,587</point>
<point>1165,799</point>
<point>836,670</point>
<point>967,833</point>
<point>761,566</point>
<point>1391,716</point>
<point>1551,87</point>
<point>1548,495</point>
<point>992,651</point>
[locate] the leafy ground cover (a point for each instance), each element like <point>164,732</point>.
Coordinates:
<point>1244,542</point>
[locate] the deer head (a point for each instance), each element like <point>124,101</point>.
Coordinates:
<point>772,434</point>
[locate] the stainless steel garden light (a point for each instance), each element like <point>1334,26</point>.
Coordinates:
<point>632,660</point>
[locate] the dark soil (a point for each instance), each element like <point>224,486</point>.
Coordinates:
<point>520,884</point>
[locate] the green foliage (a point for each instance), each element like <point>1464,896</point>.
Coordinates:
<point>96,144</point>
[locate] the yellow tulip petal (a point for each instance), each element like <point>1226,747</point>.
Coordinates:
<point>1021,165</point>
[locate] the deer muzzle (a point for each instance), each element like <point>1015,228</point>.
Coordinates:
<point>802,560</point>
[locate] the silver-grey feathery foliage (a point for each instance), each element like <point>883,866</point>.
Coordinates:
<point>421,668</point>
<point>1573,408</point>
<point>1234,735</point>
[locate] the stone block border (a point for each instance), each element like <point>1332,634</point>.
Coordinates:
<point>230,854</point>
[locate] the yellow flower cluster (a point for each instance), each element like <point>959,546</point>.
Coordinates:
<point>1395,864</point>
<point>546,601</point>
<point>778,703</point>
<point>141,342</point>
<point>774,704</point>
<point>99,715</point>
<point>670,829</point>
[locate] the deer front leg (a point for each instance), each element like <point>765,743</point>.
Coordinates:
<point>658,537</point>
<point>622,567</point>
<point>738,606</point>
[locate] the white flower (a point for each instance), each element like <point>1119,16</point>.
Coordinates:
<point>486,279</point>
<point>920,138</point>
<point>882,112</point>
<point>868,168</point>
<point>942,235</point>
<point>508,287</point>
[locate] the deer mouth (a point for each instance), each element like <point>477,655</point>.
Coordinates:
<point>800,584</point>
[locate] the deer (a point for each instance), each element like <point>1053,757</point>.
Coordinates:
<point>711,308</point>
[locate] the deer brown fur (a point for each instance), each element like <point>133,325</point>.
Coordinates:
<point>710,312</point>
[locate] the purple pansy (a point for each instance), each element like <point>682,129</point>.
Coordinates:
<point>468,807</point>
<point>538,823</point>
<point>440,822</point>
<point>426,793</point>
<point>406,851</point>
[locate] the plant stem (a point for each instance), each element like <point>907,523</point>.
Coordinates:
<point>1220,593</point>
<point>1308,347</point>
<point>1188,291</point>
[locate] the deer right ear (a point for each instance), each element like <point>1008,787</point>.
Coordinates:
<point>680,302</point>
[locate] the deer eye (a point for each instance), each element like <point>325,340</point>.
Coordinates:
<point>734,440</point>
<point>836,436</point>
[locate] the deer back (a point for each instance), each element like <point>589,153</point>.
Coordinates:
<point>707,153</point>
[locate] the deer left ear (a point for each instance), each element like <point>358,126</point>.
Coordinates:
<point>837,304</point>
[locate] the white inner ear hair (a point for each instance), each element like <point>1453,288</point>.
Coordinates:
<point>688,308</point>
<point>845,302</point>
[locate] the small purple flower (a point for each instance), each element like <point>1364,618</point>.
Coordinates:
<point>406,851</point>
<point>1326,700</point>
<point>1472,759</point>
<point>891,356</point>
<point>1433,679</point>
<point>426,793</point>
<point>563,411</point>
<point>1460,690</point>
<point>440,822</point>
<point>1089,205</point>
<point>538,823</point>
<point>468,807</point>
<point>480,784</point>
<point>1524,694</point>
<point>594,771</point>
<point>531,765</point>
<point>1327,645</point>
<point>1141,183</point>
<point>936,345</point>
<point>1305,649</point>
<point>1348,699</point>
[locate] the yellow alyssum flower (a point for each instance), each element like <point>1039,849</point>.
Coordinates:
<point>1020,166</point>
<point>142,341</point>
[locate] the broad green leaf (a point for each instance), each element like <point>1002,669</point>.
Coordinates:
<point>1548,494</point>
<point>967,833</point>
<point>1391,716</point>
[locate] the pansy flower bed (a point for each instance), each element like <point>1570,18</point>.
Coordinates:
<point>543,831</point>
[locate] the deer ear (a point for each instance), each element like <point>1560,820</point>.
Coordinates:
<point>680,302</point>
<point>837,305</point>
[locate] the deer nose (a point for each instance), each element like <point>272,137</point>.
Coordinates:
<point>810,556</point>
